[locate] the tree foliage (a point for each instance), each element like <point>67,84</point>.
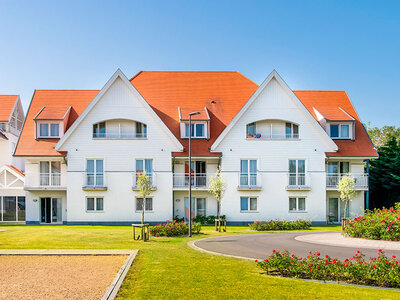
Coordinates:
<point>346,188</point>
<point>217,188</point>
<point>144,184</point>
<point>381,136</point>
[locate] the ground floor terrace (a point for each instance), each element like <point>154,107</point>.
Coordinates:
<point>167,268</point>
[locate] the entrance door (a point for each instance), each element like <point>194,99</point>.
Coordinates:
<point>333,210</point>
<point>50,210</point>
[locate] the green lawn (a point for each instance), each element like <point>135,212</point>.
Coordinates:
<point>168,268</point>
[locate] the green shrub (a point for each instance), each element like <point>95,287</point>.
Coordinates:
<point>280,225</point>
<point>379,224</point>
<point>207,220</point>
<point>380,271</point>
<point>173,229</point>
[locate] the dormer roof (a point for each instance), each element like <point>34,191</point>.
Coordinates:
<point>53,112</point>
<point>7,103</point>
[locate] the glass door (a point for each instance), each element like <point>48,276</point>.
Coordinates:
<point>333,210</point>
<point>50,210</point>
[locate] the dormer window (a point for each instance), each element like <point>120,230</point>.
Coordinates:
<point>340,131</point>
<point>49,130</point>
<point>198,130</point>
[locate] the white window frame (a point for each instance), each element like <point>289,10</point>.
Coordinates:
<point>95,171</point>
<point>297,204</point>
<point>340,137</point>
<point>249,210</point>
<point>194,132</point>
<point>49,136</point>
<point>297,171</point>
<point>95,210</point>
<point>146,211</point>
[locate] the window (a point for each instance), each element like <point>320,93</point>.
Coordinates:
<point>248,204</point>
<point>201,206</point>
<point>94,172</point>
<point>94,204</point>
<point>198,130</point>
<point>297,172</point>
<point>341,131</point>
<point>50,173</point>
<point>49,130</point>
<point>141,130</point>
<point>342,167</point>
<point>248,172</point>
<point>144,165</point>
<point>292,131</point>
<point>297,204</point>
<point>148,204</point>
<point>251,130</point>
<point>99,130</point>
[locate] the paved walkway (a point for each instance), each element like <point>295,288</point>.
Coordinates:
<point>67,251</point>
<point>260,246</point>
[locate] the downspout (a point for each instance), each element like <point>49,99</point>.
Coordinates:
<point>367,191</point>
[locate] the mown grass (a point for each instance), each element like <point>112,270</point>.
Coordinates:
<point>166,268</point>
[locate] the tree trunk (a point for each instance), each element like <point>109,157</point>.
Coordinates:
<point>143,237</point>
<point>219,216</point>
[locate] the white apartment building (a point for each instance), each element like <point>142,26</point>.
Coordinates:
<point>12,194</point>
<point>281,152</point>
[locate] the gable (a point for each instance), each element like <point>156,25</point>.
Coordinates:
<point>10,178</point>
<point>7,104</point>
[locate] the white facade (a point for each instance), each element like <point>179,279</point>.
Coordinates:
<point>95,182</point>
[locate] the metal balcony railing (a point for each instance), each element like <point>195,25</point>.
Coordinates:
<point>198,180</point>
<point>94,179</point>
<point>50,179</point>
<point>119,135</point>
<point>360,180</point>
<point>249,180</point>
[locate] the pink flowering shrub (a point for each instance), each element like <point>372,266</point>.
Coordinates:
<point>379,224</point>
<point>280,225</point>
<point>173,229</point>
<point>380,271</point>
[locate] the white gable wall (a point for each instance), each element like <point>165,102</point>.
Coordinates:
<point>273,160</point>
<point>119,156</point>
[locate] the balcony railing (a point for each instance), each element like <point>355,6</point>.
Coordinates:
<point>152,177</point>
<point>249,181</point>
<point>270,136</point>
<point>119,135</point>
<point>50,179</point>
<point>94,181</point>
<point>198,180</point>
<point>360,180</point>
<point>298,181</point>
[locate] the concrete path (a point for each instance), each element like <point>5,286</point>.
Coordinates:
<point>260,246</point>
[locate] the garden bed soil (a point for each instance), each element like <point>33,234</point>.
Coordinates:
<point>57,277</point>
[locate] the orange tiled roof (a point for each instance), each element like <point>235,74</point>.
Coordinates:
<point>53,113</point>
<point>328,103</point>
<point>192,91</point>
<point>54,100</point>
<point>7,103</point>
<point>16,170</point>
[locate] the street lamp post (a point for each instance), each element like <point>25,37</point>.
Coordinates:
<point>190,171</point>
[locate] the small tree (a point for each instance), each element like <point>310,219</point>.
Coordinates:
<point>143,182</point>
<point>346,188</point>
<point>217,188</point>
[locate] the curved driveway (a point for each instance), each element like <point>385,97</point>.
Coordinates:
<point>260,246</point>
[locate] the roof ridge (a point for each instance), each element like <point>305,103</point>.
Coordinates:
<point>72,90</point>
<point>319,91</point>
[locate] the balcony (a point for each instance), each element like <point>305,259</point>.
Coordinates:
<point>199,181</point>
<point>152,177</point>
<point>43,181</point>
<point>94,182</point>
<point>270,136</point>
<point>119,135</point>
<point>249,182</point>
<point>360,181</point>
<point>298,182</point>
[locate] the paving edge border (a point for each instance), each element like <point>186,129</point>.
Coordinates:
<point>192,245</point>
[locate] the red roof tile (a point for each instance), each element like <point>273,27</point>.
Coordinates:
<point>53,100</point>
<point>328,103</point>
<point>192,91</point>
<point>53,113</point>
<point>7,103</point>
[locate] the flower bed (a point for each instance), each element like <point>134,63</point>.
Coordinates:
<point>280,225</point>
<point>173,229</point>
<point>379,224</point>
<point>380,271</point>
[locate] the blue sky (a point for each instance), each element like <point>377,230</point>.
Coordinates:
<point>320,45</point>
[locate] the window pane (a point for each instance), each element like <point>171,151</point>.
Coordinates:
<point>139,166</point>
<point>55,167</point>
<point>44,173</point>
<point>99,204</point>
<point>244,205</point>
<point>334,130</point>
<point>288,130</point>
<point>199,130</point>
<point>344,167</point>
<point>344,131</point>
<point>9,208</point>
<point>149,204</point>
<point>244,171</point>
<point>301,166</point>
<point>251,129</point>
<point>333,168</point>
<point>295,131</point>
<point>44,167</point>
<point>90,204</point>
<point>192,130</point>
<point>90,166</point>
<point>54,130</point>
<point>139,204</point>
<point>44,129</point>
<point>292,203</point>
<point>21,209</point>
<point>99,166</point>
<point>148,163</point>
<point>302,204</point>
<point>253,203</point>
<point>187,130</point>
<point>94,130</point>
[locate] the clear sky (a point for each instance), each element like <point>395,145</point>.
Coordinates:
<point>320,45</point>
